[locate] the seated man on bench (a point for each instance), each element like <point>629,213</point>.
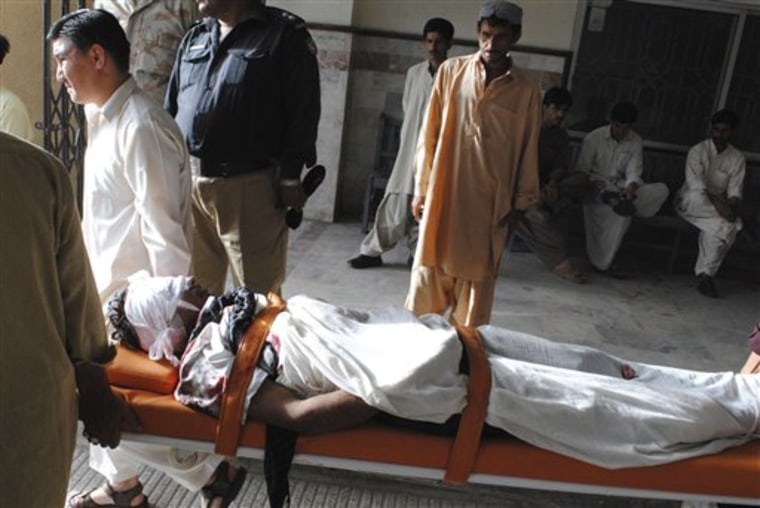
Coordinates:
<point>325,367</point>
<point>711,197</point>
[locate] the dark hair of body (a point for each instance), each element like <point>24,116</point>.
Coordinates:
<point>123,331</point>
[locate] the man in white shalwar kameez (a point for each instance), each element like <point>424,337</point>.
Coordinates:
<point>612,155</point>
<point>711,196</point>
<point>393,218</point>
<point>136,208</point>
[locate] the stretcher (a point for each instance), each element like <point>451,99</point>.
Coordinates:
<point>732,476</point>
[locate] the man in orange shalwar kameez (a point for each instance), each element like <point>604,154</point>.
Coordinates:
<point>477,163</point>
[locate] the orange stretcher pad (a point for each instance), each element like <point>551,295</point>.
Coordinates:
<point>732,476</point>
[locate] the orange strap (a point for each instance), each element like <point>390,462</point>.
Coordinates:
<point>467,442</point>
<point>231,413</point>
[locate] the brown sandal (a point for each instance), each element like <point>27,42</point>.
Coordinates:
<point>222,487</point>
<point>120,499</point>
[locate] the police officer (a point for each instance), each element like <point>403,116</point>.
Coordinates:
<point>245,92</point>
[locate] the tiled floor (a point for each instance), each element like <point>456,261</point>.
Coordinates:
<point>654,317</point>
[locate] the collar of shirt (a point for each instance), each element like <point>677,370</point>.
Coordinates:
<point>608,135</point>
<point>116,101</point>
<point>506,77</point>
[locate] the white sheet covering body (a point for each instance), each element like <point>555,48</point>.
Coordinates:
<point>562,397</point>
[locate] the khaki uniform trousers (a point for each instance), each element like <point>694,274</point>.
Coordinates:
<point>469,303</point>
<point>239,224</point>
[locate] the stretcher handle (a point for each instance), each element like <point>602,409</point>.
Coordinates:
<point>233,401</point>
<point>464,451</point>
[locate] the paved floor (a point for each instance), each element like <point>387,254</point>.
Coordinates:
<point>653,317</point>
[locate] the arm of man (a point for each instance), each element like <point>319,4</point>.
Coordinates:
<point>526,190</point>
<point>427,143</point>
<point>102,412</point>
<point>302,110</point>
<point>158,172</point>
<point>275,404</point>
<point>634,170</point>
<point>735,187</point>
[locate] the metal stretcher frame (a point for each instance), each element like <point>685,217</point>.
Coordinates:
<point>732,476</point>
<point>507,480</point>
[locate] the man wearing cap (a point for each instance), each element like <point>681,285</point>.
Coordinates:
<point>477,163</point>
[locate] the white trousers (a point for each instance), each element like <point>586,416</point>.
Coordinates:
<point>190,469</point>
<point>716,234</point>
<point>605,229</point>
<point>393,221</point>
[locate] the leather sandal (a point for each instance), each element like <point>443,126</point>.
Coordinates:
<point>120,499</point>
<point>222,487</point>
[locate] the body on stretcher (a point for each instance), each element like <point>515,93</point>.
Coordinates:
<point>732,476</point>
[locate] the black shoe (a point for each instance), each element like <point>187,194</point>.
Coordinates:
<point>706,286</point>
<point>361,261</point>
<point>625,208</point>
<point>615,272</point>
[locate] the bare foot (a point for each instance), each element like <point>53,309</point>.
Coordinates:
<point>627,371</point>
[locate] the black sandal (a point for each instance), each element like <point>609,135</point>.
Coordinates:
<point>223,488</point>
<point>120,499</point>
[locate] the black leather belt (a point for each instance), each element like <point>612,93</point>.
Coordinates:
<point>223,169</point>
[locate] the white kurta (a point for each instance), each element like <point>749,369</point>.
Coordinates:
<point>565,398</point>
<point>14,117</point>
<point>392,218</point>
<point>417,88</point>
<point>617,164</point>
<point>136,213</point>
<point>722,174</point>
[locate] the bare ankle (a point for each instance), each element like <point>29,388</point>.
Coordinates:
<point>121,486</point>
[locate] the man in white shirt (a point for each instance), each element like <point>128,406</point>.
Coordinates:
<point>136,203</point>
<point>136,211</point>
<point>711,196</point>
<point>14,117</point>
<point>612,156</point>
<point>393,218</point>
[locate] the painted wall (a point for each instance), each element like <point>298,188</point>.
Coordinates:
<point>546,23</point>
